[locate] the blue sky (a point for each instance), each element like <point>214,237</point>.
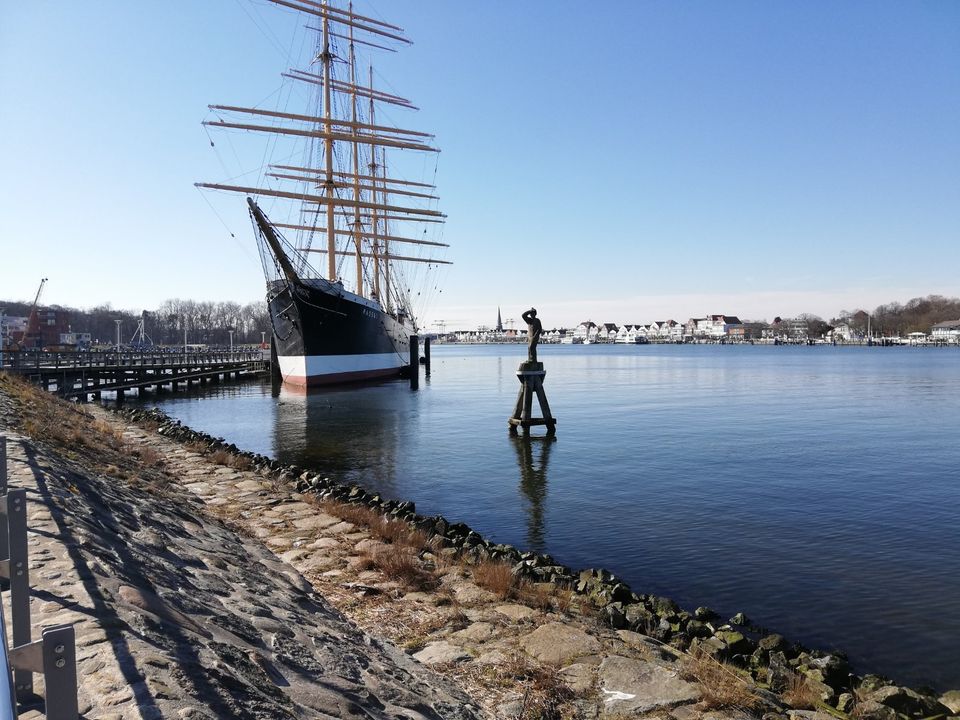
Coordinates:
<point>624,162</point>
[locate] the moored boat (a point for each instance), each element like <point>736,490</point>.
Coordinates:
<point>353,321</point>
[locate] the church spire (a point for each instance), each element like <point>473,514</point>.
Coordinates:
<point>499,321</point>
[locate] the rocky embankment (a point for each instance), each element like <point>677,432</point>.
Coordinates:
<point>221,576</point>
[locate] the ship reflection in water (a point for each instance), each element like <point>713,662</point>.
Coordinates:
<point>349,432</point>
<point>533,457</point>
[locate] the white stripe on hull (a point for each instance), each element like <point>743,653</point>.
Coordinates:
<point>319,369</point>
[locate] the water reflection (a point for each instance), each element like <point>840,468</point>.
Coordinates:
<point>533,457</point>
<point>349,432</point>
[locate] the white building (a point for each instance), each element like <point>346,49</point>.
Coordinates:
<point>632,334</point>
<point>586,331</point>
<point>607,333</point>
<point>841,333</point>
<point>946,331</point>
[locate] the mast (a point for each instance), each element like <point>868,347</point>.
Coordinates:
<point>386,229</point>
<point>373,217</point>
<point>328,147</point>
<point>356,162</point>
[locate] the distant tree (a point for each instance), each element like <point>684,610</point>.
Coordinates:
<point>816,326</point>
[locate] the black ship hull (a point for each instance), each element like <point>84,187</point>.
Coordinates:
<point>324,334</point>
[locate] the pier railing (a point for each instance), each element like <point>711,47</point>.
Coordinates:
<point>81,374</point>
<point>29,360</point>
<point>54,655</point>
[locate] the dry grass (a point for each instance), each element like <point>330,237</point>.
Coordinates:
<point>148,455</point>
<point>497,577</point>
<point>536,595</point>
<point>721,687</point>
<point>227,458</point>
<point>195,446</point>
<point>397,532</point>
<point>389,530</point>
<point>149,424</point>
<point>800,693</point>
<point>859,700</point>
<point>351,513</point>
<point>443,558</point>
<point>241,462</point>
<point>79,435</point>
<point>401,565</point>
<point>545,695</point>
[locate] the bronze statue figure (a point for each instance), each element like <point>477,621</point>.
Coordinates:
<point>534,331</point>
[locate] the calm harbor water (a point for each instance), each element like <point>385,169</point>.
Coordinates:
<point>816,489</point>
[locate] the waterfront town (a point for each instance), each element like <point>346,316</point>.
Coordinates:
<point>57,328</point>
<point>718,329</point>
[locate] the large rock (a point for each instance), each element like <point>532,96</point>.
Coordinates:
<point>579,677</point>
<point>952,700</point>
<point>735,642</point>
<point>441,652</point>
<point>631,686</point>
<point>872,710</point>
<point>906,701</point>
<point>639,617</point>
<point>559,644</point>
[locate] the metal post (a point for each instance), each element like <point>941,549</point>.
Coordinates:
<point>414,362</point>
<point>60,673</point>
<point>426,356</point>
<point>3,464</point>
<point>16,511</point>
<point>4,534</point>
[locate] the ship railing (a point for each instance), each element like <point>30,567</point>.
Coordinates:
<point>54,655</point>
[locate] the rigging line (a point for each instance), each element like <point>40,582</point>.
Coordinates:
<point>264,29</point>
<point>216,151</point>
<point>242,246</point>
<point>236,155</point>
<point>269,146</point>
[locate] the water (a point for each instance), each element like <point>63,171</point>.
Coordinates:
<point>816,489</point>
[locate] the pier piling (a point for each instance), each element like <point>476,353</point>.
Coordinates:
<point>426,357</point>
<point>414,362</point>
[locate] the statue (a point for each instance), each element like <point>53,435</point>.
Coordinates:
<point>534,331</point>
<point>531,374</point>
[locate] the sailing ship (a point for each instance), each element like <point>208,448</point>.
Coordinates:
<point>353,322</point>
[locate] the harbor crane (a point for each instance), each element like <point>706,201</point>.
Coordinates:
<point>32,335</point>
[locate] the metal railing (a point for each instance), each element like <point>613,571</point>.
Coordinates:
<point>27,360</point>
<point>54,655</point>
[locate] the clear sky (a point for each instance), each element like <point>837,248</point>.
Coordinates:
<point>622,161</point>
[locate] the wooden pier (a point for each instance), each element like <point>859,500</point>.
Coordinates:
<point>82,374</point>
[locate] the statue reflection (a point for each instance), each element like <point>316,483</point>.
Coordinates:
<point>533,456</point>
